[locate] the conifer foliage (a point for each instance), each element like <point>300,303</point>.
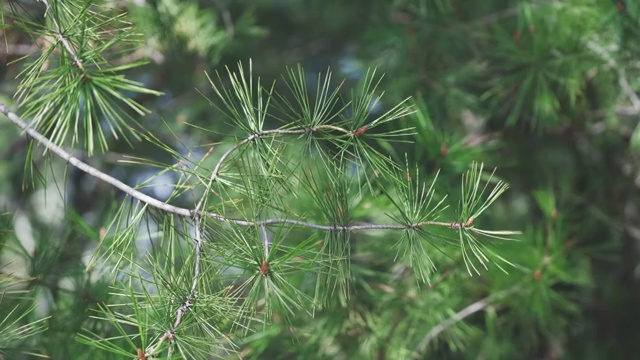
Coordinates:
<point>272,228</point>
<point>303,216</point>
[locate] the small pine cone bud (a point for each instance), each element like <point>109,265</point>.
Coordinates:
<point>537,274</point>
<point>264,268</point>
<point>360,131</point>
<point>444,150</point>
<point>141,355</point>
<point>469,222</point>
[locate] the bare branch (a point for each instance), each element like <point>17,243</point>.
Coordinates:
<point>89,169</point>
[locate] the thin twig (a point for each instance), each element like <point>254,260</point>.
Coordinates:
<point>216,170</point>
<point>460,315</point>
<point>65,42</point>
<point>189,301</point>
<point>622,78</point>
<point>265,238</point>
<point>153,202</point>
<point>89,169</point>
<point>226,17</point>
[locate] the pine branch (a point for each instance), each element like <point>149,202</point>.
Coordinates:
<point>12,328</point>
<point>91,170</point>
<point>420,213</point>
<point>473,308</point>
<point>151,201</point>
<point>65,42</point>
<point>189,301</point>
<point>71,88</point>
<point>460,315</point>
<point>259,135</point>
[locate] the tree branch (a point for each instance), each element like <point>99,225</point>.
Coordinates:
<point>460,315</point>
<point>250,138</point>
<point>153,202</point>
<point>65,42</point>
<point>169,335</point>
<point>89,169</point>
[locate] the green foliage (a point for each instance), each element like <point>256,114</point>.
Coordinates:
<point>73,89</point>
<point>254,178</point>
<point>303,217</point>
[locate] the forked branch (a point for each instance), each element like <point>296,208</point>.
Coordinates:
<point>168,208</point>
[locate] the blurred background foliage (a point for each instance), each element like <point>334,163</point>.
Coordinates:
<point>544,90</point>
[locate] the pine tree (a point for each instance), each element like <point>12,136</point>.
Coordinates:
<point>309,217</point>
